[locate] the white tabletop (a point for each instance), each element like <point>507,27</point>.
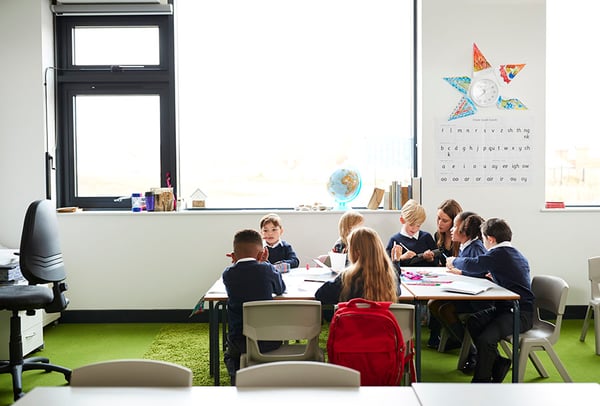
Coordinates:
<point>435,279</point>
<point>217,395</point>
<point>515,394</point>
<point>301,283</point>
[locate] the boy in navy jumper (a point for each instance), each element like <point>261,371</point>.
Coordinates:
<point>510,269</point>
<point>280,251</point>
<point>412,246</point>
<point>248,279</point>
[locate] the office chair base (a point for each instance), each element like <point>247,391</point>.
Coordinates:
<point>30,364</point>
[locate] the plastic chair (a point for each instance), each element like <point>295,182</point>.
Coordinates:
<point>41,263</point>
<point>296,322</point>
<point>132,372</point>
<point>550,296</point>
<point>405,315</point>
<point>297,374</point>
<point>594,305</point>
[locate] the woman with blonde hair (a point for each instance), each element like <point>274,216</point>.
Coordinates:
<point>371,274</point>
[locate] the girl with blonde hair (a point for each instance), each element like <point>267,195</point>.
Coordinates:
<point>370,276</point>
<point>349,220</point>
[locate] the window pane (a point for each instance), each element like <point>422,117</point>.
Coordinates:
<point>116,46</point>
<point>117,144</point>
<point>572,146</point>
<point>275,95</point>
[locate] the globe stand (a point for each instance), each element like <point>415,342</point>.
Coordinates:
<point>341,206</point>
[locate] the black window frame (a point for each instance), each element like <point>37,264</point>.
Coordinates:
<point>74,80</point>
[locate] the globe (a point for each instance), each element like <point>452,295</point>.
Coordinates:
<point>344,185</point>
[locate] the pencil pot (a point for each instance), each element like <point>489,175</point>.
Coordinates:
<point>137,202</point>
<point>283,267</point>
<point>149,201</point>
<point>164,199</point>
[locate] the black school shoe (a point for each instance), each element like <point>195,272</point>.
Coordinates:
<point>469,365</point>
<point>433,342</point>
<point>500,369</point>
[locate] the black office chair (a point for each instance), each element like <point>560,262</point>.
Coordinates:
<point>41,263</point>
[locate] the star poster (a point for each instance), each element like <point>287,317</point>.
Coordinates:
<point>482,68</point>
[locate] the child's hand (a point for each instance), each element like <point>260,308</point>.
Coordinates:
<point>449,261</point>
<point>428,256</point>
<point>264,256</point>
<point>396,252</point>
<point>230,255</point>
<point>409,255</point>
<point>455,271</point>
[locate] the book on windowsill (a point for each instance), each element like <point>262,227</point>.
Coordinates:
<point>376,199</point>
<point>466,287</point>
<point>555,205</point>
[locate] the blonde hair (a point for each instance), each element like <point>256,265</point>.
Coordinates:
<point>413,213</point>
<point>372,271</point>
<point>348,221</point>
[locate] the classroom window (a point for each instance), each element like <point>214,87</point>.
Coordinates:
<point>271,97</point>
<point>572,144</point>
<point>116,155</point>
<point>115,104</point>
<point>125,46</point>
<point>275,95</point>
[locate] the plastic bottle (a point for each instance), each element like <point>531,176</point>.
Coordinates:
<point>136,202</point>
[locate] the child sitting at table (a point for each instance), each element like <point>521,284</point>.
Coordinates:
<point>467,232</point>
<point>348,221</point>
<point>510,269</point>
<point>249,278</point>
<point>370,275</point>
<point>280,251</point>
<point>412,246</point>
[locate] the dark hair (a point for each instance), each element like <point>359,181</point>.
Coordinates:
<point>497,228</point>
<point>270,218</point>
<point>246,237</point>
<point>470,224</point>
<point>452,209</point>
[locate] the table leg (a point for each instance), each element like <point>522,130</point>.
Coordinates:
<point>212,325</point>
<point>515,341</point>
<point>418,312</point>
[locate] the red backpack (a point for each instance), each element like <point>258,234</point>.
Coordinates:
<point>364,335</point>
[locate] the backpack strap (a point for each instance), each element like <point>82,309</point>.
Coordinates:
<point>359,302</point>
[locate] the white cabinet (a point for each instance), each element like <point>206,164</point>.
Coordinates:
<point>31,332</point>
<point>50,317</point>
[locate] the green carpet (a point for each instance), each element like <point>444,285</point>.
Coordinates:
<point>72,345</point>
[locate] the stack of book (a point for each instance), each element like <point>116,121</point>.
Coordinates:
<point>9,266</point>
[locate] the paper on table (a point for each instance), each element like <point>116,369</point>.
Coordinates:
<point>466,287</point>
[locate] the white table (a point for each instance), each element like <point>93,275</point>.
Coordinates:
<point>301,283</point>
<point>515,394</point>
<point>432,288</point>
<point>223,395</point>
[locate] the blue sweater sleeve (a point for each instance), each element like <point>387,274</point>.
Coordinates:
<point>284,253</point>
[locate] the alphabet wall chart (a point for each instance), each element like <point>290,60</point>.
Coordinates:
<point>490,150</point>
<point>495,149</point>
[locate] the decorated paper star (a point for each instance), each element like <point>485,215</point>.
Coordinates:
<point>482,89</point>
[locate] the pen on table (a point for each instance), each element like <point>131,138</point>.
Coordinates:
<point>422,284</point>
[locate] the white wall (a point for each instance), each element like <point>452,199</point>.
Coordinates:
<point>25,49</point>
<point>555,242</point>
<point>168,260</point>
